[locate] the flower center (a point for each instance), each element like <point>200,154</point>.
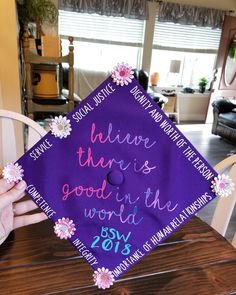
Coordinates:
<point>12,172</point>
<point>122,73</point>
<point>222,185</point>
<point>64,228</point>
<point>105,278</point>
<point>60,127</point>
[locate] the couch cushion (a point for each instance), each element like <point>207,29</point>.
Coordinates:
<point>228,119</point>
<point>224,105</point>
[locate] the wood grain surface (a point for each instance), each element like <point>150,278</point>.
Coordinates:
<point>194,260</point>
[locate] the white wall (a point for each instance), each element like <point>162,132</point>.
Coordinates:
<point>9,64</point>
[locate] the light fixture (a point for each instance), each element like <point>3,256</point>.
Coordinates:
<point>174,70</point>
<point>175,66</point>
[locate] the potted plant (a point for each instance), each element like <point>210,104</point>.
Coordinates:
<point>202,83</point>
<point>38,12</point>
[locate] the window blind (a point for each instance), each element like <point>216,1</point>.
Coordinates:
<point>101,29</point>
<point>188,38</point>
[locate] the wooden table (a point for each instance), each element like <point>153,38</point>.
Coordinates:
<point>194,260</point>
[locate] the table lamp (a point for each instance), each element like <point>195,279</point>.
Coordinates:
<point>175,68</point>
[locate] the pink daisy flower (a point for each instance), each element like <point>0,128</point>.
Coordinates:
<point>64,228</point>
<point>222,185</point>
<point>12,172</point>
<point>103,278</point>
<point>122,74</point>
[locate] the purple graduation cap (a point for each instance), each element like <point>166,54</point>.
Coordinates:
<point>116,176</point>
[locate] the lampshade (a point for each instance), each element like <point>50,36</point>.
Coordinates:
<point>175,66</point>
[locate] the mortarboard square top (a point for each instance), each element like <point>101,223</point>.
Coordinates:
<point>116,176</point>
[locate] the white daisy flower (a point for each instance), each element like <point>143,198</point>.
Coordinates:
<point>122,74</point>
<point>103,278</point>
<point>60,127</point>
<point>12,172</point>
<point>222,185</point>
<point>64,228</point>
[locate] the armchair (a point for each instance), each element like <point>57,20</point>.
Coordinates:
<point>224,120</point>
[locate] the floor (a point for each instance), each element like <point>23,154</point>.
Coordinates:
<point>213,149</point>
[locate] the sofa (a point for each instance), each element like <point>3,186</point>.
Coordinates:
<point>224,120</point>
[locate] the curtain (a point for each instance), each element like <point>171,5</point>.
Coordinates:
<point>137,9</point>
<point>191,15</point>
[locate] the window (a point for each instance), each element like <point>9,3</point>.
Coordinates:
<point>102,41</point>
<point>195,48</point>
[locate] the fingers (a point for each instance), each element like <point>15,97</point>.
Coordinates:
<point>12,195</point>
<point>4,186</point>
<point>24,220</point>
<point>24,207</point>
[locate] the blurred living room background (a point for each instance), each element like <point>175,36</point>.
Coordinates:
<point>174,44</point>
<point>183,53</point>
